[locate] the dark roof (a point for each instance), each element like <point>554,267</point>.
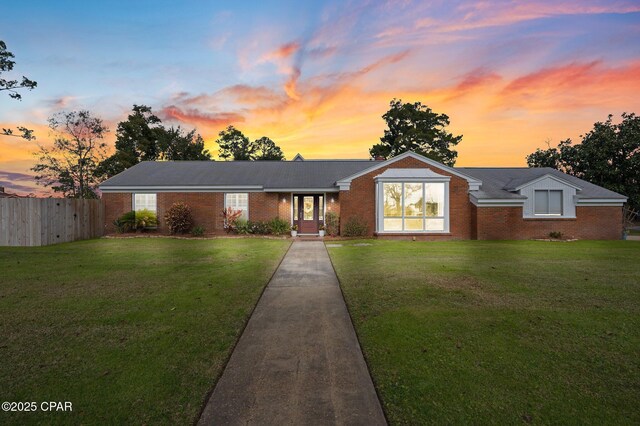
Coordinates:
<point>498,181</point>
<point>268,174</point>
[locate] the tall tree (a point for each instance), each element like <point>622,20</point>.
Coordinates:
<point>415,127</point>
<point>69,166</point>
<point>235,145</point>
<point>136,140</point>
<point>266,149</point>
<point>12,87</point>
<point>175,144</point>
<point>609,156</point>
<point>142,137</point>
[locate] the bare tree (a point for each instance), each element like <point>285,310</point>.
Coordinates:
<point>70,165</point>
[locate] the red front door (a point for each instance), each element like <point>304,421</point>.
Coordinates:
<point>308,212</point>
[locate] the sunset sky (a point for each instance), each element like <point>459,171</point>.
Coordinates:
<point>317,76</point>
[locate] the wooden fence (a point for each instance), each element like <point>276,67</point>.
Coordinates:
<point>44,221</point>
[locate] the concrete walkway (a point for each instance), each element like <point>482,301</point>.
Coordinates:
<point>298,361</point>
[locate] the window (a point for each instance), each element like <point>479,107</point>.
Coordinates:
<point>144,202</point>
<point>295,208</point>
<point>238,201</point>
<point>307,208</point>
<point>548,202</point>
<point>321,207</point>
<point>413,206</point>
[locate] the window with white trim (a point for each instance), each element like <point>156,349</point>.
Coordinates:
<point>145,202</point>
<point>413,206</point>
<point>548,202</point>
<point>238,201</point>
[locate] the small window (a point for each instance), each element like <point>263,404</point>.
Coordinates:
<point>295,206</point>
<point>145,202</point>
<point>321,207</point>
<point>548,202</point>
<point>238,201</point>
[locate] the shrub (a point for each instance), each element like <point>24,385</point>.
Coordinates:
<point>198,231</point>
<point>230,218</point>
<point>126,222</point>
<point>145,219</point>
<point>241,227</point>
<point>332,223</point>
<point>179,219</point>
<point>555,235</point>
<point>258,227</point>
<point>355,227</point>
<point>278,226</point>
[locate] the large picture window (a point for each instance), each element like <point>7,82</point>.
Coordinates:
<point>145,202</point>
<point>548,202</point>
<point>413,206</point>
<point>238,201</point>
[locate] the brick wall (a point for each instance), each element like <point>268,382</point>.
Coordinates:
<point>507,223</point>
<point>206,207</point>
<point>115,205</point>
<point>359,201</point>
<point>264,206</point>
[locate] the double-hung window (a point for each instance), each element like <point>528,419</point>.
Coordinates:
<point>238,201</point>
<point>145,202</point>
<point>413,206</point>
<point>548,202</point>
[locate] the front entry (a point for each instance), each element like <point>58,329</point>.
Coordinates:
<point>308,212</point>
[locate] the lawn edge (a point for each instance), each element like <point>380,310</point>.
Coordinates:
<point>235,343</point>
<point>364,353</point>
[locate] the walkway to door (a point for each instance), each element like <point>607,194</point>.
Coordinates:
<point>298,361</point>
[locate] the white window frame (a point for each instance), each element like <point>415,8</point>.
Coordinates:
<point>133,201</point>
<point>548,214</point>
<point>237,193</point>
<point>380,205</point>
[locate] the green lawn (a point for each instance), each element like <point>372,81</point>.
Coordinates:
<point>131,331</point>
<point>498,332</point>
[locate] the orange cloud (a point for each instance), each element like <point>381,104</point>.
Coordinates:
<point>573,85</point>
<point>193,116</point>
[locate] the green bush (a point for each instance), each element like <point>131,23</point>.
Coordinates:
<point>126,222</point>
<point>355,227</point>
<point>332,223</point>
<point>279,226</point>
<point>241,227</point>
<point>145,219</point>
<point>258,227</point>
<point>198,231</point>
<point>179,219</point>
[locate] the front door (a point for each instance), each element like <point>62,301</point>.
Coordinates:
<point>308,212</point>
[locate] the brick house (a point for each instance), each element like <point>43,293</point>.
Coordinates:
<point>404,197</point>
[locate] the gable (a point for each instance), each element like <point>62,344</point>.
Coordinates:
<point>345,183</point>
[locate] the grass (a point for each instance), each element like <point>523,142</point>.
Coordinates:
<point>498,332</point>
<point>130,331</point>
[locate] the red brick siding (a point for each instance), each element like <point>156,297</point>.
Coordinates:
<point>359,201</point>
<point>206,208</point>
<point>507,223</point>
<point>115,205</point>
<point>263,206</point>
<point>333,206</point>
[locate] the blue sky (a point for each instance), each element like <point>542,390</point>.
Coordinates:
<point>317,76</point>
